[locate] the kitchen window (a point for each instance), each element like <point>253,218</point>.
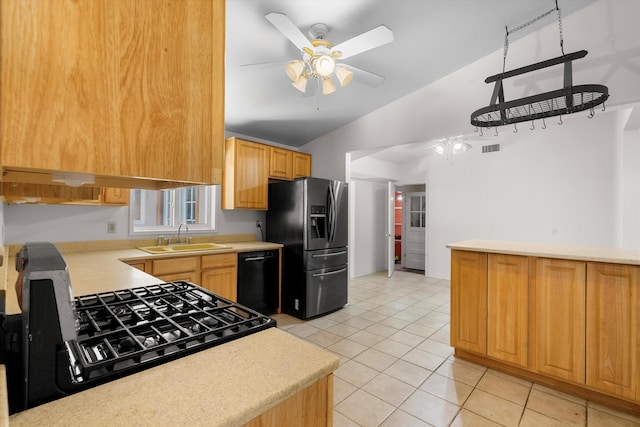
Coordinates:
<point>162,211</point>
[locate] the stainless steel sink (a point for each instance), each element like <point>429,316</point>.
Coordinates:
<point>183,248</point>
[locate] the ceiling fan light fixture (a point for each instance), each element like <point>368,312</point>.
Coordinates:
<point>301,83</point>
<point>344,76</point>
<point>440,149</point>
<point>327,86</point>
<point>325,65</point>
<point>294,69</point>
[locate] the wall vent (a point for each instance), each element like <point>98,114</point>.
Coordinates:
<point>490,148</point>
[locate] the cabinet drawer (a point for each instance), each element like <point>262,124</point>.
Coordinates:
<point>174,265</point>
<point>219,260</point>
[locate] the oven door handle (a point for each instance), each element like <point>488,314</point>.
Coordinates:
<point>329,273</point>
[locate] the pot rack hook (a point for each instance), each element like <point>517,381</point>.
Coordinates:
<point>496,128</point>
<point>481,132</point>
<point>544,124</point>
<point>515,128</point>
<point>604,107</point>
<point>591,113</point>
<point>476,129</point>
<point>560,122</point>
<point>533,125</point>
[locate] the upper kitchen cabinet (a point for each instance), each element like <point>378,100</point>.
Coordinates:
<point>301,164</point>
<point>129,92</point>
<point>280,163</point>
<point>246,175</point>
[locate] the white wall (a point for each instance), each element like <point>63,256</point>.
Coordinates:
<point>62,223</point>
<point>370,241</point>
<point>572,178</point>
<point>631,190</point>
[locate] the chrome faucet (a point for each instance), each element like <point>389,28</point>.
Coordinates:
<point>186,231</point>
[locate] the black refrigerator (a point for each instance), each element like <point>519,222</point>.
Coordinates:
<point>309,216</point>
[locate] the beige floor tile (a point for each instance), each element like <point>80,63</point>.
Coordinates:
<point>422,358</point>
<point>341,389</point>
<point>358,322</point>
<point>447,389</point>
<point>534,419</point>
<point>407,338</point>
<point>502,387</point>
<point>405,315</point>
<point>525,383</point>
<point>408,372</point>
<point>442,335</point>
<point>340,420</point>
<point>381,330</point>
<point>429,408</point>
<point>385,309</point>
<point>615,412</point>
<point>597,418</point>
<point>420,330</point>
<point>394,348</point>
<point>435,347</point>
<point>355,373</point>
<point>366,338</point>
<point>375,359</point>
<point>323,338</point>
<point>494,408</point>
<point>461,371</point>
<point>303,330</point>
<point>353,310</point>
<point>469,419</point>
<point>394,323</point>
<point>373,316</point>
<point>347,348</point>
<point>365,409</point>
<point>389,389</point>
<point>322,322</point>
<point>561,409</point>
<point>402,419</point>
<point>566,396</point>
<point>342,329</point>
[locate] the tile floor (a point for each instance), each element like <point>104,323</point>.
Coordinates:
<point>397,368</point>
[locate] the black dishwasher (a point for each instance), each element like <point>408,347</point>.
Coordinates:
<point>258,280</point>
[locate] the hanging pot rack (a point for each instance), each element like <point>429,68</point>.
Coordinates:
<point>567,100</point>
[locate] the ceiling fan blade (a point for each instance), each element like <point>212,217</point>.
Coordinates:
<point>371,39</point>
<point>267,64</point>
<point>289,29</point>
<point>363,76</point>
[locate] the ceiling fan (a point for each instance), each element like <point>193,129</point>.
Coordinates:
<point>319,63</point>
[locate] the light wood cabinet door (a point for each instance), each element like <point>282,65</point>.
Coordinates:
<point>557,318</point>
<point>222,280</point>
<point>113,88</point>
<point>613,329</point>
<point>280,163</point>
<point>246,177</point>
<point>114,196</point>
<point>14,192</point>
<point>508,308</point>
<point>301,164</point>
<point>189,276</point>
<point>468,301</point>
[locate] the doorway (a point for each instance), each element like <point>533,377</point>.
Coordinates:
<point>407,228</point>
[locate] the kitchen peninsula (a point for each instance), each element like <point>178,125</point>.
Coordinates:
<point>564,316</point>
<point>254,380</point>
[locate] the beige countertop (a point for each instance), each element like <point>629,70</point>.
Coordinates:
<point>581,253</point>
<point>226,385</point>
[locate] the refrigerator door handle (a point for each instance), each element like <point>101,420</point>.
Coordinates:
<point>330,254</point>
<point>332,210</point>
<point>329,273</point>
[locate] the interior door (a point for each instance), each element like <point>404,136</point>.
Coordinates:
<point>415,227</point>
<point>391,214</point>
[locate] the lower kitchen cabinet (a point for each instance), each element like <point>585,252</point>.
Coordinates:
<point>219,274</point>
<point>508,308</point>
<point>468,301</point>
<point>311,407</point>
<point>613,329</point>
<point>570,324</point>
<point>172,269</point>
<point>557,318</point>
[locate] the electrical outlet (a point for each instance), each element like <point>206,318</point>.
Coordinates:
<point>111,227</point>
<point>258,224</point>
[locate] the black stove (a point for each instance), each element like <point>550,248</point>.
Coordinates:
<point>61,345</point>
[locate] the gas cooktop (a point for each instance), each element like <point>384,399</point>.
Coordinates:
<point>123,330</point>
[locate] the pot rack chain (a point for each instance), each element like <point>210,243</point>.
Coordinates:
<point>525,25</point>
